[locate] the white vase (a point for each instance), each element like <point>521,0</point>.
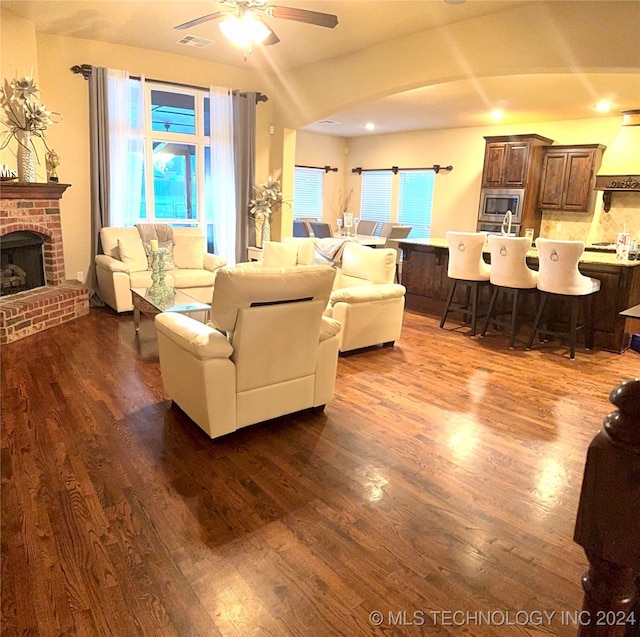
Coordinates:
<point>266,230</point>
<point>26,158</point>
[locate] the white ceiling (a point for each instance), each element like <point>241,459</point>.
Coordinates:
<point>362,23</point>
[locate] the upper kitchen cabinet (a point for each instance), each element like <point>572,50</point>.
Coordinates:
<point>508,160</point>
<point>568,177</point>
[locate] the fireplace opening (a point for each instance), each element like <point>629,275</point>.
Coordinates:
<point>21,261</point>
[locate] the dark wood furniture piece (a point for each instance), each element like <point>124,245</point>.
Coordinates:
<point>568,177</point>
<point>424,275</point>
<point>608,521</point>
<point>515,161</point>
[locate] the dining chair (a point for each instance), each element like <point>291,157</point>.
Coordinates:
<point>559,278</point>
<point>320,229</point>
<point>300,229</point>
<point>368,227</point>
<point>509,274</point>
<point>395,233</point>
<point>468,269</point>
<point>385,228</point>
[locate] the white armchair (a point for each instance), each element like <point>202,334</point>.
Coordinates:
<point>365,300</point>
<point>124,265</point>
<point>268,351</point>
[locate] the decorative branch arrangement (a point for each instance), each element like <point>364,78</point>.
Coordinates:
<point>23,111</point>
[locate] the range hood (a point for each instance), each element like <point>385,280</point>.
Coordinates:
<point>620,169</point>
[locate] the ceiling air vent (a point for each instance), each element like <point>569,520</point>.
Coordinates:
<point>195,41</point>
<point>327,121</point>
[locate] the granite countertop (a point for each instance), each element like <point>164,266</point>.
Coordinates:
<point>600,258</point>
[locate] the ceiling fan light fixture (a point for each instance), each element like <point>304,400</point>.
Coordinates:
<point>244,31</point>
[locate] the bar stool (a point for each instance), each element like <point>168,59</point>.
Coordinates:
<point>509,274</point>
<point>466,268</point>
<point>559,277</point>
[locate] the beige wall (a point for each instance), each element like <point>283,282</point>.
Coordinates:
<point>18,57</point>
<point>325,150</point>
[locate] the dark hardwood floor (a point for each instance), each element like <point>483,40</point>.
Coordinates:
<point>444,476</point>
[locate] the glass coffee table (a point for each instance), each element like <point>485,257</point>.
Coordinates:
<point>177,301</point>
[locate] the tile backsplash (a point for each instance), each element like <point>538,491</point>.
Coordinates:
<point>598,226</point>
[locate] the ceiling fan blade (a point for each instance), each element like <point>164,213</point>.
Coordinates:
<point>197,21</point>
<point>303,15</point>
<point>271,39</point>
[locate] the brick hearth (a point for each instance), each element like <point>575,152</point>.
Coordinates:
<point>36,207</point>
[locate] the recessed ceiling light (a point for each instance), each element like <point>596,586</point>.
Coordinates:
<point>497,114</point>
<point>370,126</point>
<point>604,106</point>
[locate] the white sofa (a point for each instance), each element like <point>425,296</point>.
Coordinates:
<point>268,350</point>
<point>365,299</point>
<point>124,265</point>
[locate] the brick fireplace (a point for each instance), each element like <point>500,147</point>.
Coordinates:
<point>35,207</point>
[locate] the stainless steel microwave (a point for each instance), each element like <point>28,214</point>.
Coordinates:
<point>495,202</point>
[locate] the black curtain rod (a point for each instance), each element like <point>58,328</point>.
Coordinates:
<point>394,169</point>
<point>85,71</point>
<point>325,168</point>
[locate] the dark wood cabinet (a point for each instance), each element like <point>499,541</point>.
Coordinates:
<point>508,160</point>
<point>515,161</point>
<point>505,164</point>
<point>494,160</point>
<point>568,177</point>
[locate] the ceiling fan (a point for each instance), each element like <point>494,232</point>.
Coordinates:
<point>244,25</point>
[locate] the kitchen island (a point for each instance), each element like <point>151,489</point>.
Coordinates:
<point>424,274</point>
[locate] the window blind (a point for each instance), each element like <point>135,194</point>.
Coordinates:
<point>308,184</point>
<point>415,201</point>
<point>375,199</point>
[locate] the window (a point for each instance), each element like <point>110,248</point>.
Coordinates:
<point>172,158</point>
<point>414,199</point>
<point>308,191</point>
<point>176,143</point>
<point>168,150</point>
<point>375,199</point>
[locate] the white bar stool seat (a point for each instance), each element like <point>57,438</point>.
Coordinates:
<point>509,274</point>
<point>558,276</point>
<point>466,268</point>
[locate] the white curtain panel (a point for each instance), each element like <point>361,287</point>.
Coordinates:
<point>222,194</point>
<point>126,146</point>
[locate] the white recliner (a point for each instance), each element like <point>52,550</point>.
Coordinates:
<point>268,350</point>
<point>365,300</point>
<point>124,265</point>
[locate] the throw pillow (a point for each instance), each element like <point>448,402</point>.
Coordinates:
<point>132,254</point>
<point>279,255</point>
<point>188,251</point>
<point>306,252</point>
<point>168,254</point>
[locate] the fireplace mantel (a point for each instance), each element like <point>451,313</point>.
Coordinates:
<point>32,190</point>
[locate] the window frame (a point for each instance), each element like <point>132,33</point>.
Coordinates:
<point>198,139</point>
